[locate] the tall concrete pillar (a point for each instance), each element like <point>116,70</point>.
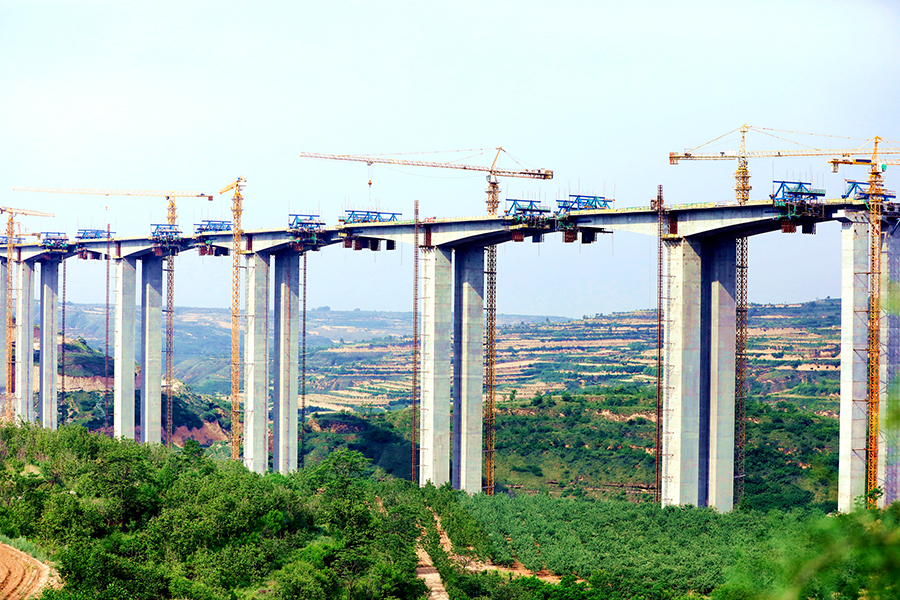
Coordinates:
<point>434,438</point>
<point>5,360</point>
<point>721,268</point>
<point>25,343</point>
<point>151,348</point>
<point>287,348</point>
<point>889,446</point>
<point>123,384</point>
<point>681,425</point>
<point>49,331</point>
<point>854,357</point>
<point>468,368</point>
<point>256,361</point>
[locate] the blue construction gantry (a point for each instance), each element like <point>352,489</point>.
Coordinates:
<point>54,240</point>
<point>526,208</point>
<point>208,226</point>
<point>860,191</point>
<point>582,202</point>
<point>305,223</point>
<point>791,191</point>
<point>92,234</point>
<point>370,216</point>
<point>4,240</point>
<point>163,233</point>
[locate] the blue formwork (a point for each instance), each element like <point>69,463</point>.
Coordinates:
<point>305,223</point>
<point>54,240</point>
<point>208,226</point>
<point>92,234</point>
<point>165,233</point>
<point>860,191</point>
<point>370,216</point>
<point>528,208</point>
<point>796,190</point>
<point>582,202</point>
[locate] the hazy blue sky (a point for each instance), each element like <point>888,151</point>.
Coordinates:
<point>188,95</point>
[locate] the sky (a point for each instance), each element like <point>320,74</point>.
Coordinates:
<point>189,95</point>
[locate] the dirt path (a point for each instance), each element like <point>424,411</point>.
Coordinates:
<point>471,564</point>
<point>21,576</point>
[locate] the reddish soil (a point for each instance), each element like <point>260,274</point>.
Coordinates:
<point>21,576</point>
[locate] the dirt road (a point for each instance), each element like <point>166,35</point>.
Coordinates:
<point>21,576</point>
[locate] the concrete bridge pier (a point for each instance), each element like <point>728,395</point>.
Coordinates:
<point>434,432</point>
<point>3,366</point>
<point>151,348</point>
<point>468,368</point>
<point>854,358</point>
<point>286,351</point>
<point>25,342</point>
<point>698,416</point>
<point>49,331</point>
<point>256,360</point>
<point>123,353</point>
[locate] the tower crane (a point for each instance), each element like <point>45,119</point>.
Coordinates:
<point>237,200</point>
<point>10,324</point>
<point>876,194</point>
<point>169,268</point>
<point>490,309</point>
<point>742,195</point>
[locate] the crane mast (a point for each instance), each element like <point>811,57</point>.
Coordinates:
<point>237,209</point>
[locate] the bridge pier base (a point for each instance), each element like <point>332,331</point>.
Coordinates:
<point>256,350</point>
<point>434,437</point>
<point>49,330</point>
<point>287,333</point>
<point>468,368</point>
<point>698,415</point>
<point>25,343</point>
<point>123,363</point>
<point>151,349</point>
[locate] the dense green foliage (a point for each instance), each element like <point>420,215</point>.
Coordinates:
<point>125,520</point>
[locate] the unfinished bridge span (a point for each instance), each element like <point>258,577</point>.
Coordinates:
<point>699,266</point>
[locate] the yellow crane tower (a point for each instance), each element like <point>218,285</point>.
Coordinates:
<point>875,194</point>
<point>236,209</point>
<point>742,194</point>
<point>10,323</point>
<point>490,271</point>
<point>169,268</point>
